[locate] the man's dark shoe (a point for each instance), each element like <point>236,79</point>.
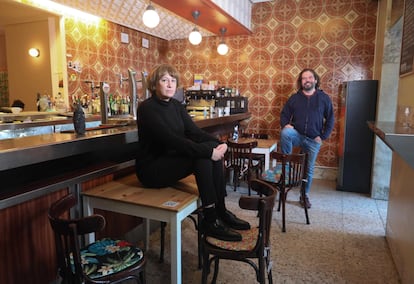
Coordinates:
<point>233,222</point>
<point>305,202</point>
<point>217,229</point>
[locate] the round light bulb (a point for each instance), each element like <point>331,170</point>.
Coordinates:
<point>195,37</point>
<point>150,17</point>
<point>222,48</point>
<point>34,52</point>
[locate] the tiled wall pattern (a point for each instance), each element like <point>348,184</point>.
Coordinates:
<point>335,37</point>
<point>103,58</point>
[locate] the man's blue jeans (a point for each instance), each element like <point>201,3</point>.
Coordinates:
<point>289,138</point>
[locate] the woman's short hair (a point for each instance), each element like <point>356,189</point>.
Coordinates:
<point>156,74</point>
<point>315,75</point>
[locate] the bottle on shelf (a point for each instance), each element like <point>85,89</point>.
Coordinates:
<point>236,133</point>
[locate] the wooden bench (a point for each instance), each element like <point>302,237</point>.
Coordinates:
<point>170,204</point>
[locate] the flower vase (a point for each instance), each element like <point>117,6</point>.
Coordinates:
<point>79,120</point>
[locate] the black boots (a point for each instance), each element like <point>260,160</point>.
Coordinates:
<point>217,229</point>
<point>223,225</point>
<point>233,222</point>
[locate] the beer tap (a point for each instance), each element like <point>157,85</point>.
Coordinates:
<point>122,79</point>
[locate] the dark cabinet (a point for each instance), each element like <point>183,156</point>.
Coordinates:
<point>356,141</point>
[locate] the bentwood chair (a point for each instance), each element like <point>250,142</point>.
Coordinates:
<point>104,261</point>
<point>289,173</point>
<point>257,157</point>
<point>240,159</point>
<point>255,243</point>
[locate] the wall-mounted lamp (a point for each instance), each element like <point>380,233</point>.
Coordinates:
<point>195,36</point>
<point>150,17</point>
<point>34,52</point>
<point>222,48</point>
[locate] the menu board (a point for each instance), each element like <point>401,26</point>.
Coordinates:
<point>407,48</point>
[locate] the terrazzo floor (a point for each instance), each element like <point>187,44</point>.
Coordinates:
<point>345,243</point>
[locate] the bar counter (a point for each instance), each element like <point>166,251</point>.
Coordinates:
<point>25,161</point>
<point>400,139</point>
<point>399,224</point>
<point>24,151</point>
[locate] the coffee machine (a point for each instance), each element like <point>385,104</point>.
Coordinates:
<point>201,101</point>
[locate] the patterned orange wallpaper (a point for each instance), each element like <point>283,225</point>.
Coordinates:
<point>335,37</point>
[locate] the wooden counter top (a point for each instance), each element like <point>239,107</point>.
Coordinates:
<point>215,120</point>
<point>9,121</point>
<point>36,149</point>
<point>400,139</point>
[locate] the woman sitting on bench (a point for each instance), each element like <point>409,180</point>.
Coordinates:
<point>172,147</point>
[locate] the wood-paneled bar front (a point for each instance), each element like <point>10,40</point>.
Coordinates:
<point>37,170</point>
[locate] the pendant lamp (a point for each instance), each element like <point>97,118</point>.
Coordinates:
<point>150,17</point>
<point>195,35</point>
<point>222,48</point>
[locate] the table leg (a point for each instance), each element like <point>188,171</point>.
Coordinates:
<point>147,226</point>
<point>88,211</point>
<point>267,158</point>
<point>175,233</point>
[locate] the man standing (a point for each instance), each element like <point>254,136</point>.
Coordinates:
<point>306,120</point>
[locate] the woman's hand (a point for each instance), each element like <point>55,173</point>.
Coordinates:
<point>223,147</point>
<point>218,152</point>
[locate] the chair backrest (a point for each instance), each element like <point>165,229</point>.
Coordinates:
<point>263,203</point>
<point>239,154</point>
<point>67,232</point>
<point>255,135</point>
<point>292,168</point>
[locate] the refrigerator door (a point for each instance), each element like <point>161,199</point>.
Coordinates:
<point>356,141</point>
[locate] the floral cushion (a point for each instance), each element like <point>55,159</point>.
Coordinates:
<point>248,242</point>
<point>273,175</point>
<point>108,256</point>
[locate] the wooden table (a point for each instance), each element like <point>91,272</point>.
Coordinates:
<point>264,146</point>
<point>127,196</point>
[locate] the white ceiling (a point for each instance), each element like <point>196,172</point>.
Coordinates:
<point>129,13</point>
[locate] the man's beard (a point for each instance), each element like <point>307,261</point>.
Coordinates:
<point>308,87</point>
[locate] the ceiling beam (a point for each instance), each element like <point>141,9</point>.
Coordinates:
<point>211,18</point>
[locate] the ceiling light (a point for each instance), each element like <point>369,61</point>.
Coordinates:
<point>195,35</point>
<point>150,17</point>
<point>34,52</point>
<point>222,48</point>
